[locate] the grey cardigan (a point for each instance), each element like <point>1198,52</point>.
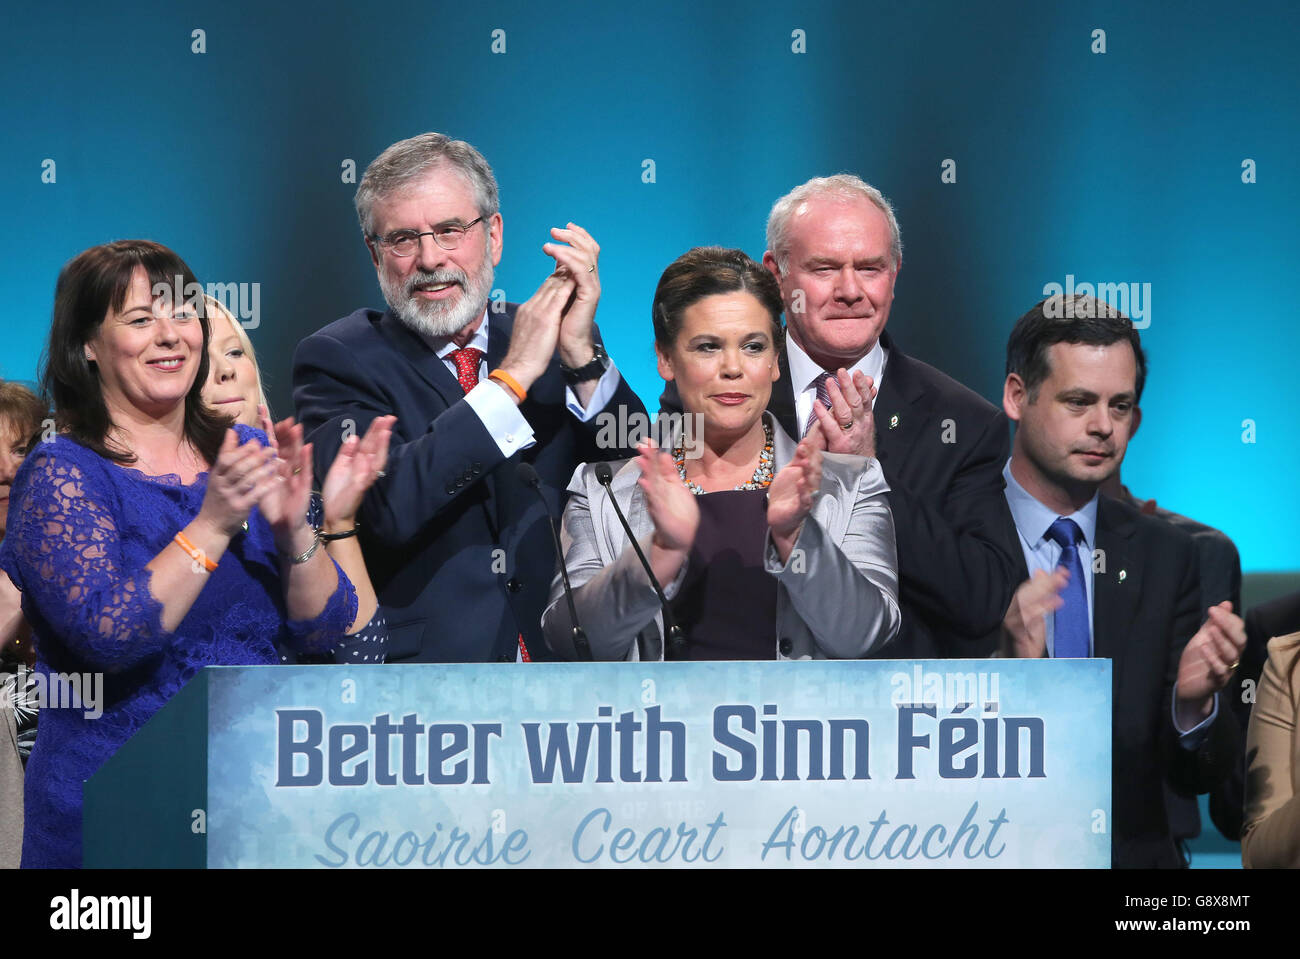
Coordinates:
<point>837,597</point>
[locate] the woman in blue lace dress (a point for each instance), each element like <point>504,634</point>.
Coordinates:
<point>234,388</point>
<point>148,539</point>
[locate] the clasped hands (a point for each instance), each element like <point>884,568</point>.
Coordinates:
<point>849,426</point>
<point>561,314</point>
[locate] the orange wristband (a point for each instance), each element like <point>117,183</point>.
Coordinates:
<point>509,382</point>
<point>196,554</point>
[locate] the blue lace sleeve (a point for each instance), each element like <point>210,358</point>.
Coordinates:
<point>63,545</point>
<point>323,633</point>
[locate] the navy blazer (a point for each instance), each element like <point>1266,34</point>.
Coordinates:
<point>458,548</point>
<point>942,448</point>
<point>1146,607</point>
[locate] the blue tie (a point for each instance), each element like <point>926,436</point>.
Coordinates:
<point>1070,622</point>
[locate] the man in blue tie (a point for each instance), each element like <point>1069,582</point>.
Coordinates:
<point>1106,580</point>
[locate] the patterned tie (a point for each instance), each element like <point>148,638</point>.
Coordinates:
<point>467,362</point>
<point>823,397</point>
<point>1070,622</point>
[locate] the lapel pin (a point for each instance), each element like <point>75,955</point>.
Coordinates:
<point>1123,575</point>
<point>893,421</point>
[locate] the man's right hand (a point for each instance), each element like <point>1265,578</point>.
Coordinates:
<point>1024,628</point>
<point>537,331</point>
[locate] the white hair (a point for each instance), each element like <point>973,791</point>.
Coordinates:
<point>842,186</point>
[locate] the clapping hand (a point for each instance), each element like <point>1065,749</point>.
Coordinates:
<point>1208,662</point>
<point>849,426</point>
<point>284,505</point>
<point>1024,627</point>
<point>576,255</point>
<point>241,476</point>
<point>359,462</point>
<point>537,330</point>
<point>790,497</point>
<point>672,507</point>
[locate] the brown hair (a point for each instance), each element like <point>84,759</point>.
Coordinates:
<point>90,284</point>
<point>23,408</point>
<point>709,271</point>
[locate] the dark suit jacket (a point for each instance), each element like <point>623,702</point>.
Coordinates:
<point>1146,607</point>
<point>956,562</point>
<point>1219,565</point>
<point>457,546</point>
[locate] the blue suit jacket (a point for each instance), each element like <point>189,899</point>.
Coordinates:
<point>456,545</point>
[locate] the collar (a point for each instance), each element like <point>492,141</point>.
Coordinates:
<point>443,345</point>
<point>803,371</point>
<point>1033,519</point>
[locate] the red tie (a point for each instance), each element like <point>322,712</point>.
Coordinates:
<point>467,361</point>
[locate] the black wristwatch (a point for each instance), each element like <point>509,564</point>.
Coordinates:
<point>590,371</point>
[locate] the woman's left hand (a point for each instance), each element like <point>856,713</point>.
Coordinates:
<point>356,467</point>
<point>790,497</point>
<point>285,504</point>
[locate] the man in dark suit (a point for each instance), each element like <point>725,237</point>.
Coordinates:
<point>1107,580</point>
<point>1219,568</point>
<point>456,543</point>
<point>835,249</point>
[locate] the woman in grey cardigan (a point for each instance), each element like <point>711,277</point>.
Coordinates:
<point>766,549</point>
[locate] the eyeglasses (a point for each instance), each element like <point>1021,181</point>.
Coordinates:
<point>407,242</point>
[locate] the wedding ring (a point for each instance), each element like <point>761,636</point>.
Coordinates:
<point>297,470</point>
<point>1234,666</point>
<point>380,474</point>
<point>847,426</point>
<point>592,268</point>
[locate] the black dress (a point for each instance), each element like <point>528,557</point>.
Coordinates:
<point>726,604</point>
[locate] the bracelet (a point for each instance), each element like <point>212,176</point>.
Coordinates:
<point>331,537</point>
<point>196,554</point>
<point>510,383</point>
<point>311,550</point>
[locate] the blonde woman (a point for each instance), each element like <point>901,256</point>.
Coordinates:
<point>234,388</point>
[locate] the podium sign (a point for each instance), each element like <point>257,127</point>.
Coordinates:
<point>952,763</point>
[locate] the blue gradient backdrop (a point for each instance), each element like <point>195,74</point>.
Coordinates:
<point>1115,167</point>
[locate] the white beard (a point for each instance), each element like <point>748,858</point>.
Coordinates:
<point>433,318</point>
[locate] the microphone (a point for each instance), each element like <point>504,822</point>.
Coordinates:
<point>529,477</point>
<point>676,638</point>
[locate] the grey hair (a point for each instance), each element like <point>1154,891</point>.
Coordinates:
<point>843,186</point>
<point>408,160</point>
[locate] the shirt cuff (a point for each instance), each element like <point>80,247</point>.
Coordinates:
<point>605,388</point>
<point>500,417</point>
<point>1192,739</point>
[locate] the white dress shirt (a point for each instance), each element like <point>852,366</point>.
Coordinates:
<point>497,411</point>
<point>804,373</point>
<point>1033,520</point>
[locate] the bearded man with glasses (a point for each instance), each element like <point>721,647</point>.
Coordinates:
<point>457,545</point>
